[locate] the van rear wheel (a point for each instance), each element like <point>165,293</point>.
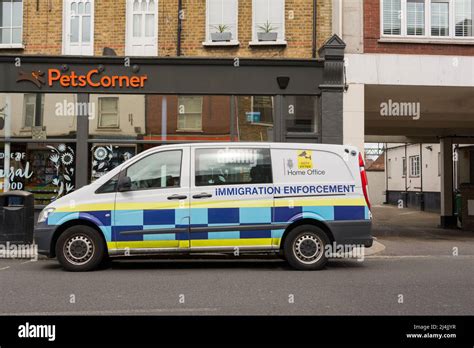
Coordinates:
<point>80,249</point>
<point>305,247</point>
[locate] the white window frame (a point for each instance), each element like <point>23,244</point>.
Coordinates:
<point>415,167</point>
<point>178,129</point>
<point>11,44</point>
<point>99,119</point>
<point>234,41</point>
<point>129,28</point>
<point>427,38</point>
<point>281,41</point>
<point>66,10</point>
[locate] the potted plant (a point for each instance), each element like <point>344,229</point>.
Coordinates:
<point>267,32</point>
<point>222,34</point>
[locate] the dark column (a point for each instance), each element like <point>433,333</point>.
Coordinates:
<point>82,147</point>
<point>332,90</point>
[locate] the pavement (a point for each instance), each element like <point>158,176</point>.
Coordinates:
<point>411,271</point>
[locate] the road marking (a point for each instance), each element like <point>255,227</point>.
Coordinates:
<point>118,312</point>
<point>4,268</point>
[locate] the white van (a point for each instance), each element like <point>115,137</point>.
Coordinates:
<point>292,200</point>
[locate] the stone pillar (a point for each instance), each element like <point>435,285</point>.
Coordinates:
<point>447,214</point>
<point>332,90</point>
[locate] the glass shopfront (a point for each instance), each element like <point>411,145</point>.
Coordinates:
<point>39,131</point>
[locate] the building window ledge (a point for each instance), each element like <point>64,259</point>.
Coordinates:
<point>267,43</point>
<point>448,41</point>
<point>11,46</point>
<point>232,43</point>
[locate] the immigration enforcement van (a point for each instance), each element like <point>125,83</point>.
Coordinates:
<point>291,200</point>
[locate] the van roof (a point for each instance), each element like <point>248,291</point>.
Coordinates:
<point>327,147</point>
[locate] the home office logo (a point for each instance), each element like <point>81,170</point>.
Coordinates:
<point>36,77</point>
<point>400,109</point>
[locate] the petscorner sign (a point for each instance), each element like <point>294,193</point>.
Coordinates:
<point>94,79</point>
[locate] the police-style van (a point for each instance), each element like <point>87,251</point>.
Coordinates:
<point>293,200</point>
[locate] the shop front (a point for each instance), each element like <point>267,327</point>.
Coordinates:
<point>66,121</point>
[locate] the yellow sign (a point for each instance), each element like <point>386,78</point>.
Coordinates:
<point>305,159</point>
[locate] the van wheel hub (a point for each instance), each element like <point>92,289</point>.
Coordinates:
<point>308,248</point>
<point>79,250</point>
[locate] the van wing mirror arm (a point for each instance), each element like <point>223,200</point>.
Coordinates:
<point>124,184</point>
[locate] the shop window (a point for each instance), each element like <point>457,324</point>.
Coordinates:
<point>255,118</point>
<point>33,110</point>
<point>189,113</point>
<point>268,21</point>
<point>302,114</point>
<point>159,170</point>
<point>106,157</point>
<point>39,115</point>
<point>11,23</point>
<point>415,166</point>
<point>233,166</point>
<point>78,27</point>
<point>222,20</point>
<point>108,112</point>
<point>142,23</point>
<point>48,171</point>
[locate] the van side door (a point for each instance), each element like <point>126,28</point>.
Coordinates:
<point>153,214</point>
<point>231,198</point>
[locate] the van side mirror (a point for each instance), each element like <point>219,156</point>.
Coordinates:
<point>124,184</point>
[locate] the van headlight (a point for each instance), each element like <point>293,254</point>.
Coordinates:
<point>43,216</point>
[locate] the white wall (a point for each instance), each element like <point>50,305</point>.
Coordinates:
<point>353,116</point>
<point>376,187</point>
<point>428,167</point>
<point>410,69</point>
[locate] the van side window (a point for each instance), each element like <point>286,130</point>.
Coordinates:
<point>233,166</point>
<point>160,170</point>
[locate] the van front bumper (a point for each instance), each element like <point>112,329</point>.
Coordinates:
<point>43,236</point>
<point>350,232</point>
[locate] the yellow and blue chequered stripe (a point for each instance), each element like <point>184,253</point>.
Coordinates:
<point>113,223</point>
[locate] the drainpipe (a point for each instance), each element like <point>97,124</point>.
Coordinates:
<point>180,27</point>
<point>315,14</point>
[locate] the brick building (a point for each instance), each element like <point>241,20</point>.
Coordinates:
<point>216,70</point>
<point>410,74</point>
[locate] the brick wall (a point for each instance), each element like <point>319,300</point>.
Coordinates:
<point>372,36</point>
<point>43,28</point>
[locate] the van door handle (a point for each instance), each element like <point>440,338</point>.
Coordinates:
<point>202,195</point>
<point>177,197</point>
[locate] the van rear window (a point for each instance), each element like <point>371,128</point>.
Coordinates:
<point>233,166</point>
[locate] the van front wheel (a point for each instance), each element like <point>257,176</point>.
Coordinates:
<point>305,248</point>
<point>80,249</point>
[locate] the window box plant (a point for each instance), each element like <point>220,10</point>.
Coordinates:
<point>267,32</point>
<point>223,34</point>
